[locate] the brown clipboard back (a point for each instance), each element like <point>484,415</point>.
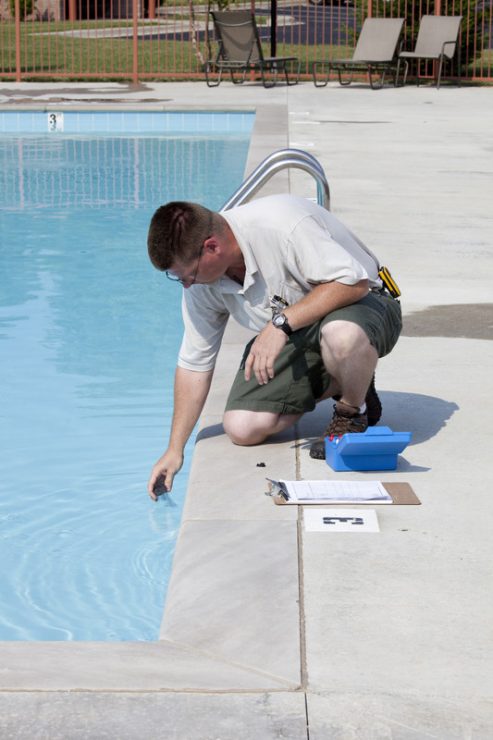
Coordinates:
<point>402,494</point>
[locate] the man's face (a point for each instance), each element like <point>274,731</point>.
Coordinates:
<point>207,267</point>
<point>186,274</point>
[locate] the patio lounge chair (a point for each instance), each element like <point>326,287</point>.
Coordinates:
<point>437,40</point>
<point>375,52</point>
<point>240,51</point>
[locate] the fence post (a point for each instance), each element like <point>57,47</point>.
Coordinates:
<point>135,45</point>
<point>435,63</point>
<point>72,11</point>
<point>17,13</point>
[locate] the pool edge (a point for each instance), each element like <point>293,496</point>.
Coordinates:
<point>179,663</point>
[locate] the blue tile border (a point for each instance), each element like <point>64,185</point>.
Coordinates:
<point>168,123</point>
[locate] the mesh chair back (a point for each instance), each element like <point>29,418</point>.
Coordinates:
<point>434,30</point>
<point>378,40</point>
<point>237,32</point>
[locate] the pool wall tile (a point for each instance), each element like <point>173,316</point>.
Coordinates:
<point>171,123</point>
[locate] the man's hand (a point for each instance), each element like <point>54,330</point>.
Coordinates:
<point>263,353</point>
<point>190,392</point>
<point>163,473</point>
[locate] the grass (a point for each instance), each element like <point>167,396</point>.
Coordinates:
<point>46,54</point>
<point>54,54</point>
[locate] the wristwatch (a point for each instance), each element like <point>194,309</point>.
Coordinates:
<point>280,321</point>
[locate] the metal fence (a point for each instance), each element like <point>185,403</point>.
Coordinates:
<point>141,40</point>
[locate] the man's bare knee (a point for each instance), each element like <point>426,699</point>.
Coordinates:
<point>254,427</point>
<point>244,428</point>
<point>342,338</point>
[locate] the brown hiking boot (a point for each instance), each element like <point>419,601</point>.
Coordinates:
<point>348,419</point>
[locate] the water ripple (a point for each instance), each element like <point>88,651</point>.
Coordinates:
<point>88,340</point>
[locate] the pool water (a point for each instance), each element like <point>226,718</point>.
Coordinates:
<point>89,333</point>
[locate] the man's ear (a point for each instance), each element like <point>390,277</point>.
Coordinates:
<point>212,246</point>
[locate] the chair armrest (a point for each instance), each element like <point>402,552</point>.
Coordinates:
<point>447,43</point>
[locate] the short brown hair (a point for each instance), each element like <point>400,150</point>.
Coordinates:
<point>177,231</point>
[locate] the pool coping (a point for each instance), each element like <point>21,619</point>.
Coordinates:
<point>233,616</point>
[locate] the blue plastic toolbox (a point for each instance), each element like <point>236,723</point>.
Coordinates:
<point>375,449</point>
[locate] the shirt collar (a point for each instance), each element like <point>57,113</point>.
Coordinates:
<point>251,267</point>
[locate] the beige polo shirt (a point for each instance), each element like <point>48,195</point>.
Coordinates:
<point>289,245</point>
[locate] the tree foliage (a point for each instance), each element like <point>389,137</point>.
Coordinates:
<point>26,8</point>
<point>219,5</point>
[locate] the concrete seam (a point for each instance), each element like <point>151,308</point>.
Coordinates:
<point>301,605</point>
<point>303,666</point>
<point>163,690</point>
<point>307,719</point>
<point>286,684</point>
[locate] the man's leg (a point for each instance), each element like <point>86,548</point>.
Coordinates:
<point>351,341</point>
<point>245,427</point>
<point>350,360</point>
<point>255,412</point>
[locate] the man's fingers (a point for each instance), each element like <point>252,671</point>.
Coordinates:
<point>168,481</point>
<point>263,354</point>
<point>258,370</point>
<point>151,484</point>
<point>158,484</point>
<point>248,367</point>
<point>264,370</point>
<point>261,365</point>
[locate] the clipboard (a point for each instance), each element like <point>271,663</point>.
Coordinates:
<point>401,494</point>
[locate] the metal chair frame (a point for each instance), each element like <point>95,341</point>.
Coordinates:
<point>376,53</point>
<point>432,46</point>
<point>237,33</point>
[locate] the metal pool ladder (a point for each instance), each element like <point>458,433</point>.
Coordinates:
<point>275,162</point>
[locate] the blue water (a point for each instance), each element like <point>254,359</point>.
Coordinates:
<point>89,333</point>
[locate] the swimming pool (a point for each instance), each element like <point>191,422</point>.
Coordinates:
<point>88,338</point>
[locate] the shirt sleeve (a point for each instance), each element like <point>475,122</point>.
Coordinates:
<point>205,318</point>
<point>320,257</point>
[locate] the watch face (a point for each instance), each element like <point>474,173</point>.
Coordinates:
<point>279,319</point>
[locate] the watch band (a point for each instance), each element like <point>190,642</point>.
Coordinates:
<point>280,321</point>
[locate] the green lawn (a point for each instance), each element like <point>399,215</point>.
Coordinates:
<point>46,54</point>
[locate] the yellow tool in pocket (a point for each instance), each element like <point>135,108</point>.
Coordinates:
<point>389,282</point>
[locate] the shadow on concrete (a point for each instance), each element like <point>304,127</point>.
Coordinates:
<point>216,430</point>
<point>422,415</point>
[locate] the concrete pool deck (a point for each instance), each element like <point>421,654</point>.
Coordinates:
<point>270,631</point>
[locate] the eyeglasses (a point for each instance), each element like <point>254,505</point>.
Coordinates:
<point>184,282</point>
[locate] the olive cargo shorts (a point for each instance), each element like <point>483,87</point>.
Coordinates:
<point>300,376</point>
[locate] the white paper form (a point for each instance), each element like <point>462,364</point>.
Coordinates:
<point>331,491</point>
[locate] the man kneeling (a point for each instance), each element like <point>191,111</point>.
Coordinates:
<point>287,268</point>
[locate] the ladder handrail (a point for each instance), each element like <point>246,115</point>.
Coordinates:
<point>274,163</point>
